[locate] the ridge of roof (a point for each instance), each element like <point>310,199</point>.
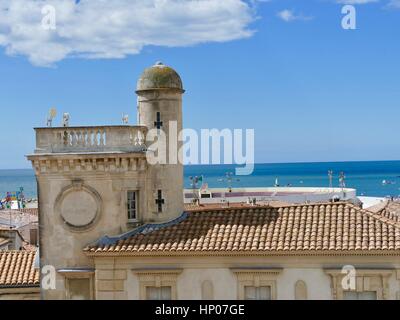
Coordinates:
<point>378,216</point>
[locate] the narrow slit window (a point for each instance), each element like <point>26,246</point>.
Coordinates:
<point>158,123</point>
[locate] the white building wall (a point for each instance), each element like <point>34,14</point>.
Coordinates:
<point>132,286</point>
<point>317,282</point>
<point>287,194</point>
<point>190,282</point>
<point>394,286</point>
<point>225,284</point>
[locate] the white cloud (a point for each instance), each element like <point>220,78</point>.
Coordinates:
<point>117,28</point>
<point>289,15</point>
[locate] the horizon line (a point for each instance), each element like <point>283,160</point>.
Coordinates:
<point>258,163</point>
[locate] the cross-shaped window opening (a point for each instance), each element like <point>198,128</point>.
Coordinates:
<point>159,201</point>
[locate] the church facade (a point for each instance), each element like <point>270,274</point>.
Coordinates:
<point>114,226</point>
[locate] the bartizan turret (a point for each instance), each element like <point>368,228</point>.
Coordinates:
<point>160,92</point>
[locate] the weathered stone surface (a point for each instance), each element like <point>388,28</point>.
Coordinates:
<point>159,76</point>
<point>84,174</point>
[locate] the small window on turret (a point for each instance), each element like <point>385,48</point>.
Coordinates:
<point>132,205</point>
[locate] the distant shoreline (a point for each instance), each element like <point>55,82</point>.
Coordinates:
<point>370,178</point>
<point>265,163</point>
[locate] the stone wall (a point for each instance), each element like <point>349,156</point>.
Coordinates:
<point>110,282</point>
<point>80,206</point>
<point>220,275</point>
<point>20,293</point>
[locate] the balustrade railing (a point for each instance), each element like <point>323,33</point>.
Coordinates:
<point>90,139</point>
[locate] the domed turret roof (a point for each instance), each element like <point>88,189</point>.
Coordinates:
<point>159,76</point>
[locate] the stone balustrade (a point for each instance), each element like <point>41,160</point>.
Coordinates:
<point>91,139</point>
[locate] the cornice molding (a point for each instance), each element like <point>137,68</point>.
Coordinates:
<point>159,271</point>
<point>89,164</point>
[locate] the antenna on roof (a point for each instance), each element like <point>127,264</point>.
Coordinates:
<point>195,189</point>
<point>125,118</point>
<point>65,121</point>
<point>330,177</point>
<point>342,181</point>
<point>51,115</point>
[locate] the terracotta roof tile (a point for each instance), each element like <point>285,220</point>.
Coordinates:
<point>17,269</point>
<point>391,211</point>
<point>296,228</point>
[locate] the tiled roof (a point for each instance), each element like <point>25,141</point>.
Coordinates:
<point>17,269</point>
<point>290,229</point>
<point>29,247</point>
<point>32,211</point>
<point>391,211</point>
<point>17,218</point>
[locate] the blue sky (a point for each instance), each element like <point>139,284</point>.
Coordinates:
<point>311,90</point>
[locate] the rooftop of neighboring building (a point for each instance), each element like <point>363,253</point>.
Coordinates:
<point>17,269</point>
<point>292,229</point>
<point>4,241</point>
<point>233,205</point>
<point>17,218</point>
<point>388,210</point>
<point>14,239</point>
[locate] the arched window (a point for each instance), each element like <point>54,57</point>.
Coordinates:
<point>300,290</point>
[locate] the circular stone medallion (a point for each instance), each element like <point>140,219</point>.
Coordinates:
<point>79,209</point>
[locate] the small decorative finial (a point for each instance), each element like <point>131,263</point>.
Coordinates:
<point>159,63</point>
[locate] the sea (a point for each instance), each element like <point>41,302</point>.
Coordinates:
<point>366,176</point>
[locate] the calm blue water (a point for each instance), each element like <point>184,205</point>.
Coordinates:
<point>12,180</point>
<point>366,177</point>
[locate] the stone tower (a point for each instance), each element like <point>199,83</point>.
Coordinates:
<point>95,182</point>
<point>160,91</point>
